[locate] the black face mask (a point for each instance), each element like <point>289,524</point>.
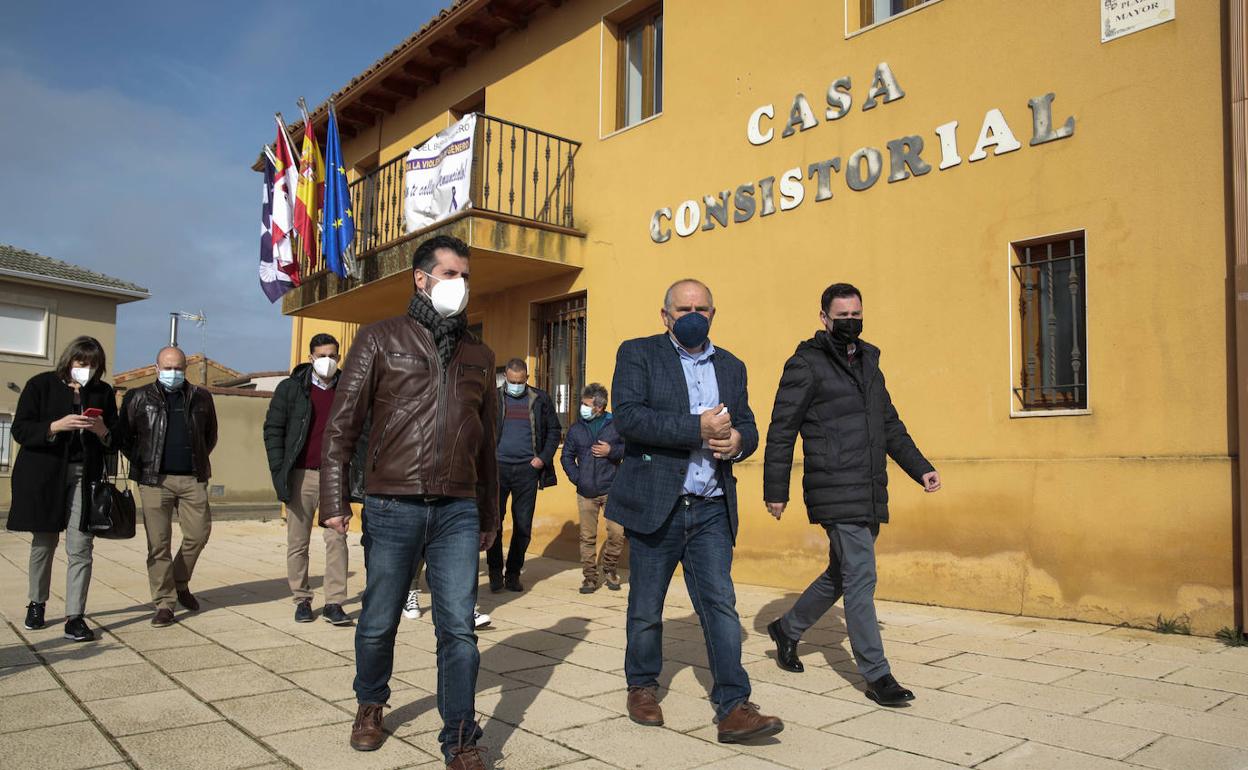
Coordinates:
<point>846,330</point>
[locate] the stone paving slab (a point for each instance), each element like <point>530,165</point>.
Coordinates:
<point>241,685</point>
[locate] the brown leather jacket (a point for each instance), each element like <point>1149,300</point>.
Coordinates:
<point>140,432</point>
<point>433,428</point>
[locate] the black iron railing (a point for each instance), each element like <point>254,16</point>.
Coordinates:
<point>516,170</point>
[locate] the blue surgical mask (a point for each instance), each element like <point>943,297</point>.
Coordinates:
<point>691,330</point>
<point>516,390</point>
<point>172,378</point>
<point>587,412</point>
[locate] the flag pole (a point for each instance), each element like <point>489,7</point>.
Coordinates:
<point>268,152</point>
<point>294,153</point>
<point>348,255</point>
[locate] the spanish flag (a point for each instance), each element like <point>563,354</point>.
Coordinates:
<point>310,192</point>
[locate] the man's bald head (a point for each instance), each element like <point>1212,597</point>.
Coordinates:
<point>688,291</point>
<point>171,358</point>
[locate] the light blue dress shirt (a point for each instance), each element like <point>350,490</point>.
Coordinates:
<point>702,478</point>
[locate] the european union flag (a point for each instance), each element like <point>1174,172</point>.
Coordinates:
<point>337,224</point>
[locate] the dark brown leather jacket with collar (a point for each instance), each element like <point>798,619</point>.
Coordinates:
<point>141,430</point>
<point>432,430</point>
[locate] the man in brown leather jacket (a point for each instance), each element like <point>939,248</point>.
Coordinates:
<point>431,483</point>
<point>167,429</point>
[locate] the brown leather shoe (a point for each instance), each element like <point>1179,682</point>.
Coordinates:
<point>643,708</point>
<point>467,758</point>
<point>367,733</point>
<point>745,723</point>
<point>163,617</point>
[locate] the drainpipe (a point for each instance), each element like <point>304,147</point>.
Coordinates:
<point>1237,42</point>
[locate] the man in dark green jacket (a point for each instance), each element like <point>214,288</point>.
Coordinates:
<point>293,428</point>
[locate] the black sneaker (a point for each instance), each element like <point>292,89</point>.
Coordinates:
<point>76,630</point>
<point>496,581</point>
<point>34,616</point>
<point>512,582</point>
<point>303,611</point>
<point>333,614</point>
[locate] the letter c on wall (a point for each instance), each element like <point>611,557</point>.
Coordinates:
<point>752,129</point>
<point>657,233</point>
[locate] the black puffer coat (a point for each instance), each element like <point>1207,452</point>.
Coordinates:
<point>848,427</point>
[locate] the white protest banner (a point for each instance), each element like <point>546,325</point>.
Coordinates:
<point>437,175</point>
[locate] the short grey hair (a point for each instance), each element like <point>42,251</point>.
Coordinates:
<point>667,298</point>
<point>597,392</point>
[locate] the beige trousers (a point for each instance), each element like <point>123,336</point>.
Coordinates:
<point>589,508</point>
<point>169,573</point>
<point>300,519</point>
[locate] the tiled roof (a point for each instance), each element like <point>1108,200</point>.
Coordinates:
<point>191,360</point>
<point>15,260</point>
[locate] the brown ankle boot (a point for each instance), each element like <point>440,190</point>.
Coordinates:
<point>643,707</point>
<point>744,723</point>
<point>367,733</point>
<point>467,758</point>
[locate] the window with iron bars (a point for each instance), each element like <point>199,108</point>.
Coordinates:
<point>561,354</point>
<point>1052,309</point>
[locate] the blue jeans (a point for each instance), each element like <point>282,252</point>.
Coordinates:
<point>697,536</point>
<point>446,532</point>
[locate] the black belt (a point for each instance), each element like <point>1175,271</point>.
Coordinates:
<point>691,499</point>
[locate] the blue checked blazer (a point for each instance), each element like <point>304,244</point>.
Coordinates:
<point>650,401</point>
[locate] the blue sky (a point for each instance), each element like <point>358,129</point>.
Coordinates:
<point>128,133</point>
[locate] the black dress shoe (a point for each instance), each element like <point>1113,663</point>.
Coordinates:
<point>76,630</point>
<point>496,581</point>
<point>34,616</point>
<point>303,611</point>
<point>887,692</point>
<point>513,583</point>
<point>333,614</point>
<point>786,648</point>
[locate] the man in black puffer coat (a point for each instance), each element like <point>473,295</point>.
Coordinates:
<point>832,392</point>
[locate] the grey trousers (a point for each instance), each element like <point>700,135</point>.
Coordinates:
<point>850,573</point>
<point>78,547</point>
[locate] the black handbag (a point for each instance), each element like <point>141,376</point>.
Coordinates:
<point>110,511</point>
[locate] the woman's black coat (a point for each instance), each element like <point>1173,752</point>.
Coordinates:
<point>39,473</point>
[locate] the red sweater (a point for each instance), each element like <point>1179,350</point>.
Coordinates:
<point>310,456</point>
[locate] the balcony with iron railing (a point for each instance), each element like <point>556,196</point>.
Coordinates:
<point>521,193</point>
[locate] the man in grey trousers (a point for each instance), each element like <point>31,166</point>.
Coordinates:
<point>832,392</point>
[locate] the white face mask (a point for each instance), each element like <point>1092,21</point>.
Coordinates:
<point>449,295</point>
<point>587,412</point>
<point>81,374</point>
<point>324,367</point>
<point>171,378</point>
<point>515,390</point>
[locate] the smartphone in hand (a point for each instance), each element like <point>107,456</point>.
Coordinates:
<point>92,412</point>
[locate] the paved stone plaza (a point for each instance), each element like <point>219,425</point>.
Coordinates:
<point>241,685</point>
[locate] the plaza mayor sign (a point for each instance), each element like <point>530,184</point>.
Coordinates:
<point>860,171</point>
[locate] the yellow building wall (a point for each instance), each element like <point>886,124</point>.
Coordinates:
<point>1117,515</point>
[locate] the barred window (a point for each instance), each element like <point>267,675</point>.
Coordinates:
<point>1052,338</point>
<point>561,354</point>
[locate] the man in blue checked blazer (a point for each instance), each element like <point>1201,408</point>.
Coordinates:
<point>683,410</point>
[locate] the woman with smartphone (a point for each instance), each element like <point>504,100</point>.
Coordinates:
<point>63,423</point>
